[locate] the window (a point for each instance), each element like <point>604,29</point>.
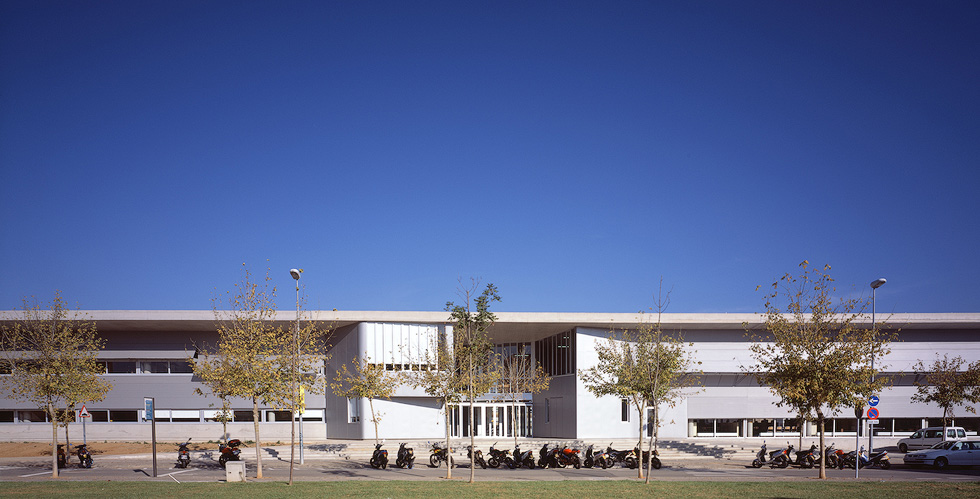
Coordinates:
<point>156,367</point>
<point>123,416</point>
<point>32,416</point>
<point>185,416</point>
<point>273,416</point>
<point>556,354</point>
<point>624,409</point>
<point>6,416</point>
<point>121,367</point>
<point>244,416</point>
<point>180,367</point>
<point>353,410</point>
<point>547,410</point>
<point>99,416</point>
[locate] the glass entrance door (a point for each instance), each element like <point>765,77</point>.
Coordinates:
<point>491,420</point>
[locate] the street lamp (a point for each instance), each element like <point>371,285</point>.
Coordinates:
<point>296,274</point>
<point>877,283</point>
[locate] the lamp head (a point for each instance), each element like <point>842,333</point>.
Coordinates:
<point>878,283</point>
<point>295,273</point>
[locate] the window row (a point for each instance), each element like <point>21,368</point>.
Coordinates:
<point>556,354</point>
<point>161,415</point>
<point>778,427</point>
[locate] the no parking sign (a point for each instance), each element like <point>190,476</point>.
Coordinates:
<point>872,413</point>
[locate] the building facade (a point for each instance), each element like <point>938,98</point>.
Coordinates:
<point>146,355</point>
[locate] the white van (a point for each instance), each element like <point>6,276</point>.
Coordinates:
<point>927,437</point>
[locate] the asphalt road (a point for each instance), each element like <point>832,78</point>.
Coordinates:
<point>139,468</point>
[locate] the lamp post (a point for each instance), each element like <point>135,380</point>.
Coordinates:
<point>296,274</point>
<point>874,327</point>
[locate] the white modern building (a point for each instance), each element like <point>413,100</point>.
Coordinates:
<point>146,352</point>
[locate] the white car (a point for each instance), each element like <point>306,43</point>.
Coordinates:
<point>961,453</point>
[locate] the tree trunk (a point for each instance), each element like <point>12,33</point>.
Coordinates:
<point>449,468</point>
<point>513,420</point>
<point>54,442</point>
<point>292,442</point>
<point>258,443</point>
<point>823,452</point>
<point>650,447</point>
<point>472,418</point>
<point>374,419</point>
<point>639,458</point>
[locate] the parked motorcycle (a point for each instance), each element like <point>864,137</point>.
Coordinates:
<point>781,458</point>
<point>589,460</point>
<point>62,458</point>
<point>84,456</point>
<point>543,454</point>
<point>230,451</point>
<point>499,456</point>
<point>807,458</point>
<point>655,463</point>
<point>525,458</point>
<point>379,459</point>
<point>569,457</point>
<point>476,457</point>
<point>183,454</point>
<point>440,455</point>
<point>626,457</point>
<point>406,457</point>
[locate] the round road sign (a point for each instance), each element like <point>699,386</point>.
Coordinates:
<point>872,413</point>
<point>873,400</point>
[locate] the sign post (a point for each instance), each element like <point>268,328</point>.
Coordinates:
<point>148,406</point>
<point>873,402</point>
<point>302,409</point>
<point>84,414</point>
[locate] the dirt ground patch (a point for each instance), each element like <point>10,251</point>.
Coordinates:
<point>34,449</point>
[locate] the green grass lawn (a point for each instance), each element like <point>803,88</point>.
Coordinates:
<point>458,489</point>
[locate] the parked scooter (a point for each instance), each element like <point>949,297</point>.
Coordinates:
<point>830,454</point>
<point>807,458</point>
<point>601,459</point>
<point>655,463</point>
<point>476,457</point>
<point>230,451</point>
<point>880,460</point>
<point>499,456</point>
<point>543,454</point>
<point>84,456</point>
<point>62,458</point>
<point>183,454</point>
<point>379,459</point>
<point>589,460</point>
<point>525,458</point>
<point>440,455</point>
<point>781,458</point>
<point>406,457</point>
<point>760,457</point>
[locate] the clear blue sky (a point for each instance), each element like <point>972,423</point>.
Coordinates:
<point>569,152</point>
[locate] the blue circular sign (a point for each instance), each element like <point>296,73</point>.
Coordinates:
<point>872,413</point>
<point>873,401</point>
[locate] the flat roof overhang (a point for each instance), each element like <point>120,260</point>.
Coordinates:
<point>510,326</point>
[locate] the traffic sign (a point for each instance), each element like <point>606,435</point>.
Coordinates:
<point>872,413</point>
<point>84,412</point>
<point>873,401</point>
<point>148,406</point>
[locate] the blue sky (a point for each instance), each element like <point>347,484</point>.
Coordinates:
<point>569,152</point>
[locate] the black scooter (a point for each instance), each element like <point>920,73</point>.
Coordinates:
<point>807,458</point>
<point>525,458</point>
<point>406,457</point>
<point>84,456</point>
<point>62,459</point>
<point>379,460</point>
<point>183,454</point>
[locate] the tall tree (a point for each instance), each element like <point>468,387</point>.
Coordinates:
<point>472,348</point>
<point>519,374</point>
<point>947,385</point>
<point>53,357</point>
<point>812,354</point>
<point>646,366</point>
<point>254,357</point>
<point>365,380</point>
<point>439,378</point>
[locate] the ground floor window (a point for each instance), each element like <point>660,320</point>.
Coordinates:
<point>715,428</point>
<point>491,420</point>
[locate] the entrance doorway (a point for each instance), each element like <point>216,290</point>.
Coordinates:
<point>491,420</point>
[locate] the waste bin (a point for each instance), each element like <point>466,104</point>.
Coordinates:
<point>235,471</point>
